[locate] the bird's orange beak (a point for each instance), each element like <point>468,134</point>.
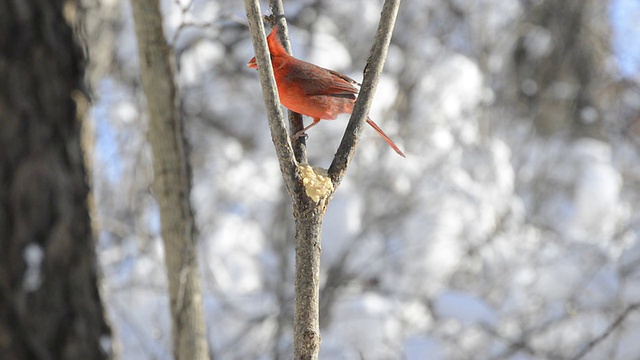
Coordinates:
<point>252,63</point>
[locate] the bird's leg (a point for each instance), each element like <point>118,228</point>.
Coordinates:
<point>303,131</point>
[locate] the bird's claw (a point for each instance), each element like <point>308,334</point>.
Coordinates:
<point>299,134</point>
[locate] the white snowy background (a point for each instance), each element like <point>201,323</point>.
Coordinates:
<point>489,241</point>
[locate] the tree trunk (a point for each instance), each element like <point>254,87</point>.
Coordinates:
<point>306,323</point>
<point>50,306</point>
<point>561,66</point>
<point>171,183</point>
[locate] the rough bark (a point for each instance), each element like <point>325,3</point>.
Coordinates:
<point>309,213</point>
<point>171,183</point>
<point>306,318</point>
<point>50,306</point>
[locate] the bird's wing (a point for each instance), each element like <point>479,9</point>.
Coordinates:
<point>316,80</point>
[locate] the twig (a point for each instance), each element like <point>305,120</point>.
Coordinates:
<point>595,341</point>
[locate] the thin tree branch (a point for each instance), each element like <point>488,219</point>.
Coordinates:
<point>372,73</point>
<point>295,119</point>
<point>614,325</point>
<point>279,135</point>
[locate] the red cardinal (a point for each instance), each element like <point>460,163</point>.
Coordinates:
<point>312,90</point>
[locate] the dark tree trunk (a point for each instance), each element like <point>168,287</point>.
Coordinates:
<point>50,307</point>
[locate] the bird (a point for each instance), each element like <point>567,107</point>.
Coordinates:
<point>311,90</point>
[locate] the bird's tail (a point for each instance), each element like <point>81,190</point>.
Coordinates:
<point>385,137</point>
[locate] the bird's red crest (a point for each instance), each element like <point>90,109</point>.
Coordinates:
<point>275,46</point>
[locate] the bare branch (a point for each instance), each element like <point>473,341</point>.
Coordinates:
<point>279,135</point>
<point>372,73</point>
<point>295,119</point>
<point>613,326</point>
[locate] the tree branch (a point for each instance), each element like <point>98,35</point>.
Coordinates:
<point>614,325</point>
<point>310,189</point>
<point>295,119</point>
<point>372,72</point>
<point>279,135</point>
<point>308,213</point>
